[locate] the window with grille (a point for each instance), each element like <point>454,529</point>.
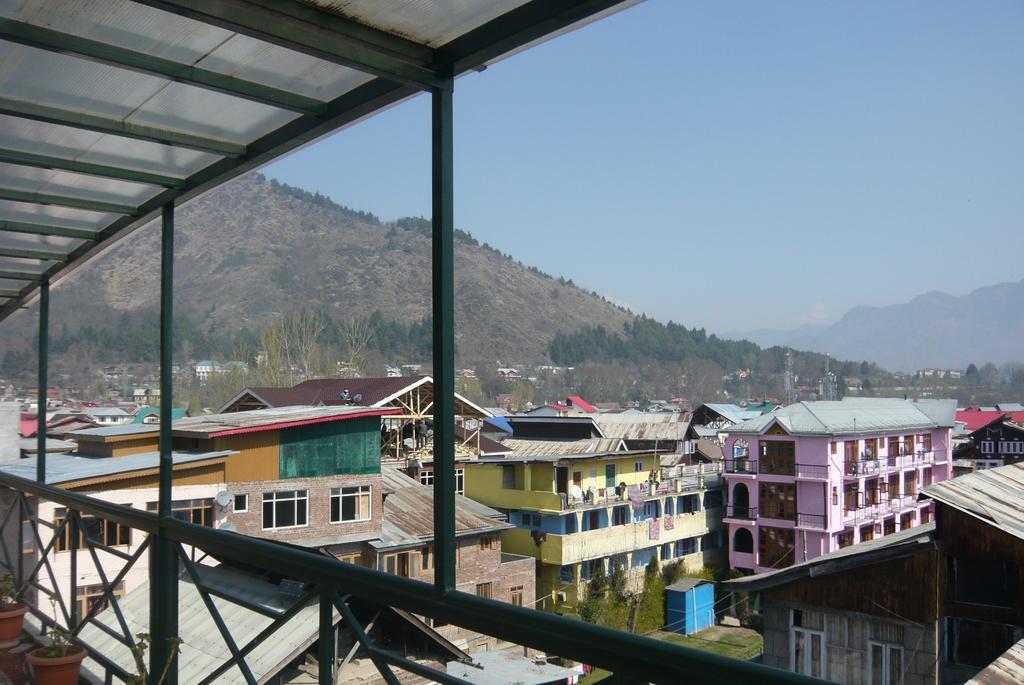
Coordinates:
<point>351,504</point>
<point>94,528</point>
<point>426,477</point>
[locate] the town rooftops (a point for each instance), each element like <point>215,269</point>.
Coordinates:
<point>363,392</point>
<point>852,416</point>
<point>996,496</point>
<point>646,426</point>
<point>893,546</point>
<point>235,423</point>
<point>537,448</point>
<point>735,413</point>
<point>69,468</point>
<point>144,412</point>
<point>977,419</point>
<point>527,459</point>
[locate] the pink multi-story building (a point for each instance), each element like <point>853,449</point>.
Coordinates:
<point>813,477</point>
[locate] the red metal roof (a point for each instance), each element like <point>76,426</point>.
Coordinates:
<point>979,419</point>
<point>581,403</point>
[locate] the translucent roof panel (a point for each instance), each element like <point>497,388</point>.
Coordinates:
<point>430,22</point>
<point>49,243</point>
<point>27,265</point>
<point>187,41</point>
<point>25,135</point>
<point>271,65</point>
<point>69,184</point>
<point>55,216</point>
<point>53,80</point>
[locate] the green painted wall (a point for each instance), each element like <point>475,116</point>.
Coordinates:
<point>327,449</point>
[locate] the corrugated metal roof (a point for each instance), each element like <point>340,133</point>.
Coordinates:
<point>665,426</point>
<point>975,419</point>
<point>507,668</point>
<point>735,413</point>
<point>203,648</point>
<point>855,416</point>
<point>1008,669</point>
<point>66,468</point>
<point>267,419</point>
<point>525,447</point>
<point>115,431</point>
<point>995,496</point>
<point>894,545</point>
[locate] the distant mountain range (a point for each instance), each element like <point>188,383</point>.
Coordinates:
<point>932,330</point>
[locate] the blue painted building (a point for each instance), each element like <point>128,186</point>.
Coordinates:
<point>690,605</point>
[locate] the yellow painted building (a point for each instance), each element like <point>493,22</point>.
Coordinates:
<point>580,515</point>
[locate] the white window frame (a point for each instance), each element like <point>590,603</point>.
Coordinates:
<point>358,491</point>
<point>426,477</point>
<point>299,495</point>
<point>987,447</point>
<point>460,481</point>
<point>638,467</point>
<point>887,649</point>
<point>234,504</point>
<point>805,668</point>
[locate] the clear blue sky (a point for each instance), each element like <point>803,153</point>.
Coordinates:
<point>732,165</point>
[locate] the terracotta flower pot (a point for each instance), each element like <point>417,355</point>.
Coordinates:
<point>56,670</point>
<point>12,616</point>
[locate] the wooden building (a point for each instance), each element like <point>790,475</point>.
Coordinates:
<point>931,604</point>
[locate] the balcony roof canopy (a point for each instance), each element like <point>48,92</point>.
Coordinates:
<point>111,109</point>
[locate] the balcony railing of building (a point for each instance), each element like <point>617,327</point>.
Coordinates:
<point>321,581</point>
<point>883,507</point>
<point>815,521</point>
<point>872,466</point>
<point>741,465</point>
<point>812,471</point>
<point>684,479</point>
<point>733,511</point>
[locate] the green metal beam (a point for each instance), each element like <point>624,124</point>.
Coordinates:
<point>15,275</point>
<point>443,292</point>
<point>164,573</point>
<point>324,35</point>
<point>64,201</point>
<point>26,253</point>
<point>91,122</point>
<point>10,292</point>
<point>48,162</point>
<point>40,229</point>
<point>43,381</point>
<point>114,55</point>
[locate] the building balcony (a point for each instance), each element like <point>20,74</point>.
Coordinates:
<point>886,465</point>
<point>812,471</point>
<point>688,479</point>
<point>741,466</point>
<point>741,513</point>
<point>812,521</point>
<point>571,548</point>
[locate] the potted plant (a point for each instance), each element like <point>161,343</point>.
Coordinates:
<point>12,611</point>
<point>59,663</point>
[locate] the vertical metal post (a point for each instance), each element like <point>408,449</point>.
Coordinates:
<point>21,537</point>
<point>73,571</point>
<point>44,353</point>
<point>325,655</point>
<point>163,572</point>
<point>443,290</point>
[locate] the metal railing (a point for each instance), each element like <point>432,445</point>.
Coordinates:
<point>870,466</point>
<point>815,521</point>
<point>734,512</point>
<point>747,466</point>
<point>333,586</point>
<point>812,471</point>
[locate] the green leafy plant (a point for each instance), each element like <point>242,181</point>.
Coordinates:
<point>142,643</point>
<point>10,594</point>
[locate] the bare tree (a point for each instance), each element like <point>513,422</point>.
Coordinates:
<point>356,334</point>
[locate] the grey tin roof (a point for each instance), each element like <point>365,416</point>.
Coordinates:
<point>203,648</point>
<point>995,496</point>
<point>852,416</point>
<point>65,468</point>
<point>894,546</point>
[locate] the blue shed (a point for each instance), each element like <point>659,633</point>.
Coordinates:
<point>690,605</point>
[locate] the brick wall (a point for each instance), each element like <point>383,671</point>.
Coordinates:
<point>319,507</point>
